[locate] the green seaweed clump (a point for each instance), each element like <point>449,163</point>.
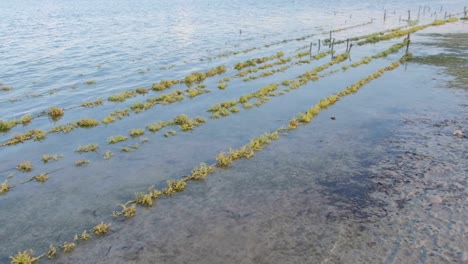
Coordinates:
<point>25,166</point>
<point>144,199</point>
<point>170,133</point>
<point>101,229</point>
<point>24,257</point>
<point>174,187</point>
<point>127,211</point>
<point>137,132</point>
<point>116,139</point>
<point>5,126</point>
<point>5,187</point>
<point>52,252</point>
<point>47,158</point>
<point>92,103</point>
<point>201,172</point>
<point>80,163</point>
<point>85,236</point>
<point>37,135</point>
<point>87,123</point>
<point>26,119</point>
<point>155,127</point>
<point>66,128</point>
<point>164,84</point>
<point>121,97</point>
<point>55,113</point>
<point>88,148</point>
<point>108,119</point>
<point>5,88</point>
<point>68,247</point>
<point>43,177</point>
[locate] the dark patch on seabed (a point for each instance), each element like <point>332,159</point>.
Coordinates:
<point>352,197</point>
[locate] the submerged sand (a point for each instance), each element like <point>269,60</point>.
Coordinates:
<point>384,182</point>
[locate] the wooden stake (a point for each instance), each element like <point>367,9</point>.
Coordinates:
<point>407,44</point>
<point>310,50</point>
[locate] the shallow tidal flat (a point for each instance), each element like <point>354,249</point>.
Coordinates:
<point>266,139</point>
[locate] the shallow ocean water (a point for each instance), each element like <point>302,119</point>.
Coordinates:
<point>307,198</point>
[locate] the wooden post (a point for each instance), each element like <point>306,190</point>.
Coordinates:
<point>329,44</point>
<point>318,46</point>
<point>409,15</point>
<point>385,15</point>
<point>347,44</point>
<point>310,50</point>
<point>407,44</point>
<point>332,46</point>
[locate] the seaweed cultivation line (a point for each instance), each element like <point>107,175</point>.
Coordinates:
<point>41,178</point>
<point>226,54</point>
<point>225,108</point>
<point>228,107</point>
<point>25,257</point>
<point>122,96</point>
<point>4,88</point>
<point>56,113</point>
<point>223,160</point>
<point>400,33</point>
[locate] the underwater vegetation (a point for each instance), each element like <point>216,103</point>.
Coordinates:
<point>47,158</point>
<point>24,257</point>
<point>55,113</point>
<point>92,103</point>
<point>116,139</point>
<point>224,159</point>
<point>255,61</point>
<point>25,166</point>
<point>5,88</point>
<point>88,148</point>
<point>137,132</point>
<point>36,135</point>
<point>87,123</point>
<point>101,229</point>
<point>184,122</point>
<point>400,33</point>
<point>68,247</point>
<point>5,187</point>
<point>80,163</point>
<point>170,133</point>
